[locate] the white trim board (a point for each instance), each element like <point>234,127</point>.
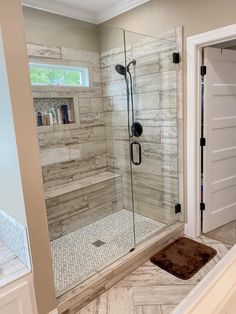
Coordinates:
<point>79,13</point>
<point>194,45</point>
<point>214,291</point>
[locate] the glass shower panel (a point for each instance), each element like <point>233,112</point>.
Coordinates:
<point>114,88</point>
<point>152,104</point>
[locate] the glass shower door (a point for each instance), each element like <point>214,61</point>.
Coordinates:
<point>152,102</point>
<point>114,88</point>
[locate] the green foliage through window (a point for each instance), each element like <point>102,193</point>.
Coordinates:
<point>57,75</point>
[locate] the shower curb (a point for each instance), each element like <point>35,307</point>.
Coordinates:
<point>74,300</point>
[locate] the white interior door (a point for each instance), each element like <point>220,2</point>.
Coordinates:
<point>220,133</point>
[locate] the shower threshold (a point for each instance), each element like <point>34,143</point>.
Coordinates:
<point>111,273</point>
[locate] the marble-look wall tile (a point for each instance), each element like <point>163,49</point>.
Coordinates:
<point>54,155</point>
<point>114,57</point>
<point>105,73</point>
<point>63,172</point>
<point>35,50</point>
<point>96,105</point>
<point>66,209</point>
<point>95,91</point>
<point>97,75</point>
<point>14,236</point>
<point>86,150</point>
<point>91,119</point>
<point>162,117</point>
<point>64,137</point>
<point>147,101</point>
<point>80,55</point>
<point>166,60</point>
<point>84,105</point>
<point>151,46</point>
<point>114,88</point>
<point>84,205</point>
<point>98,133</point>
<point>146,65</point>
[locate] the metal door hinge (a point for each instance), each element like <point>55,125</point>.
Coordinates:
<point>178,208</point>
<point>203,70</point>
<point>176,57</point>
<point>202,206</point>
<point>202,141</point>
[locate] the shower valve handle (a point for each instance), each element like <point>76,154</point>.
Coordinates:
<point>136,163</point>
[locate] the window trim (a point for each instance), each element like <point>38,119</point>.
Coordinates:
<point>52,61</point>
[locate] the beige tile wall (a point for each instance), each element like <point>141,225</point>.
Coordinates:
<point>91,199</point>
<point>76,151</point>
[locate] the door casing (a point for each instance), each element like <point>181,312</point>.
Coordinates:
<point>192,167</point>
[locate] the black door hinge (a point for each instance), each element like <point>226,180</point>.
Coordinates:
<point>178,208</point>
<point>176,57</point>
<point>202,141</point>
<point>203,70</point>
<point>202,206</point>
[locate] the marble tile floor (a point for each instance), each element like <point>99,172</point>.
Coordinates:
<point>88,250</point>
<point>151,290</point>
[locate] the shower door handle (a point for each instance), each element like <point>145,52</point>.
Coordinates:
<point>136,163</point>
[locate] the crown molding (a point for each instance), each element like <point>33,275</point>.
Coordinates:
<point>84,15</point>
<point>122,6</point>
<point>62,9</point>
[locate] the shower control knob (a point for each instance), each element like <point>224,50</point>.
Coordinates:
<point>136,129</point>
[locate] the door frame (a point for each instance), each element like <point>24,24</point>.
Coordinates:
<point>194,47</point>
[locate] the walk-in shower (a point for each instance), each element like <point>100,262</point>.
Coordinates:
<point>111,173</point>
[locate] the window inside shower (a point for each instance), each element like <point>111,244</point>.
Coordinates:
<point>111,179</point>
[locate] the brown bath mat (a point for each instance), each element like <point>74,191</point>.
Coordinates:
<point>183,258</point>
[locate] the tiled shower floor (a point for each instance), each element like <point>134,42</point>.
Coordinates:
<point>75,257</point>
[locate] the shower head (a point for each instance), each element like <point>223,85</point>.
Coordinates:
<point>120,69</point>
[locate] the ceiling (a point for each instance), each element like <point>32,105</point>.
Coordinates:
<point>93,11</point>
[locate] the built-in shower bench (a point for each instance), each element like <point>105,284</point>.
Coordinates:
<point>75,204</point>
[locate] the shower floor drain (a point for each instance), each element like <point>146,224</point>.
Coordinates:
<point>98,243</point>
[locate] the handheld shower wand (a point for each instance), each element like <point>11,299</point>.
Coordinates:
<point>136,127</point>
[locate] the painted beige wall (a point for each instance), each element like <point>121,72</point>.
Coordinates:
<point>55,30</point>
<point>158,16</point>
<point>12,27</point>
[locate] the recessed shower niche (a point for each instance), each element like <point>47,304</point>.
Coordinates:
<point>55,111</point>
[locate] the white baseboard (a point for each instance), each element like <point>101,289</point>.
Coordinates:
<point>186,232</point>
<point>190,231</point>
